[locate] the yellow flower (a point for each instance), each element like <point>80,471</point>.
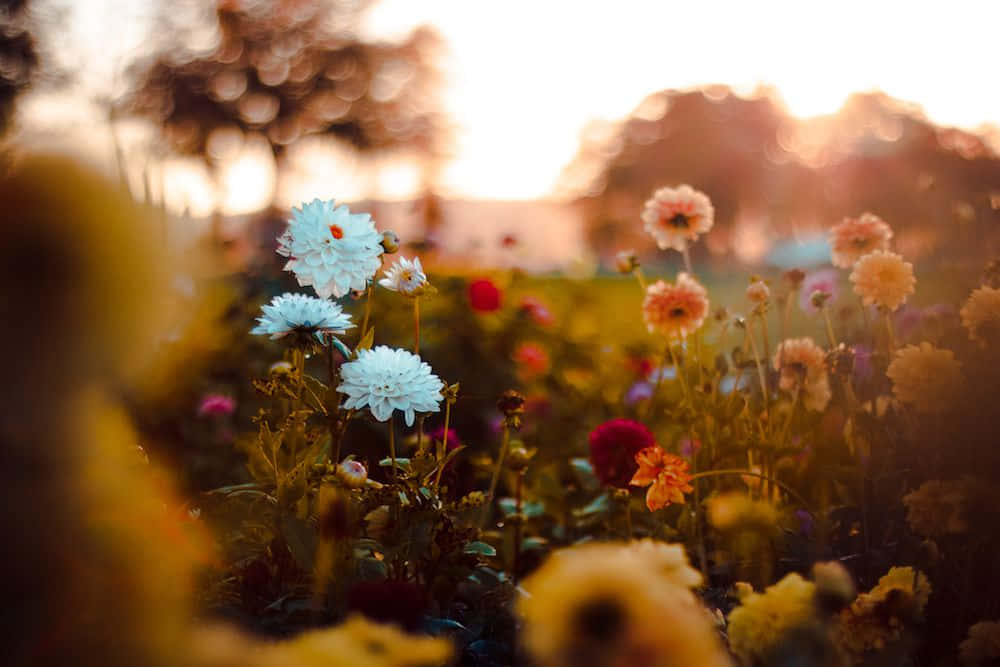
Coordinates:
<point>878,617</point>
<point>981,315</point>
<point>883,279</point>
<point>675,310</point>
<point>737,511</point>
<point>855,237</point>
<point>938,508</point>
<point>802,365</point>
<point>763,620</point>
<point>665,474</point>
<point>983,644</point>
<point>926,377</point>
<point>617,604</point>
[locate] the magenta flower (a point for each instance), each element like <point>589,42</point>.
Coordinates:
<point>216,405</point>
<point>824,280</point>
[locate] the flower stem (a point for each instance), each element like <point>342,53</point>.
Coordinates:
<point>504,444</point>
<point>890,333</point>
<point>416,325</point>
<point>656,385</point>
<point>687,261</point>
<point>518,506</point>
<point>734,471</point>
<point>760,368</point>
<point>829,327</point>
<point>637,272</point>
<point>680,375</point>
<point>444,445</point>
<point>368,310</point>
<point>392,445</point>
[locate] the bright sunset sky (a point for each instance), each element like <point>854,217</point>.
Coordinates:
<point>525,76</point>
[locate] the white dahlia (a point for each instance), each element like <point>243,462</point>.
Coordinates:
<point>386,379</point>
<point>406,277</point>
<point>303,317</point>
<point>332,249</point>
<point>675,216</point>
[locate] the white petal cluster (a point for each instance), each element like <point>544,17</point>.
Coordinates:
<point>298,313</point>
<point>386,379</point>
<point>406,277</point>
<point>330,248</point>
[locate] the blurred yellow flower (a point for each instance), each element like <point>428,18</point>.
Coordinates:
<point>675,310</point>
<point>883,279</point>
<point>854,237</point>
<point>877,618</point>
<point>738,511</point>
<point>763,620</point>
<point>926,377</point>
<point>981,315</point>
<point>617,604</point>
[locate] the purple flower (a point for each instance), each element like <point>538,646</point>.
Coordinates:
<point>908,319</point>
<point>824,280</point>
<point>216,405</point>
<point>640,391</point>
<point>805,522</point>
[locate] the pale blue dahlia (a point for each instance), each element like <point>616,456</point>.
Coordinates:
<point>303,317</point>
<point>330,248</point>
<point>386,379</point>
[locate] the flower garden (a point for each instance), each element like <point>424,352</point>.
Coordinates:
<point>352,458</point>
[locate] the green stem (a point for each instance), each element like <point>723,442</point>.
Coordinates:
<point>829,327</point>
<point>890,332</point>
<point>637,272</point>
<point>760,368</point>
<point>687,261</point>
<point>416,325</point>
<point>444,445</point>
<point>647,411</point>
<point>368,310</point>
<point>680,375</point>
<point>504,444</point>
<point>392,445</point>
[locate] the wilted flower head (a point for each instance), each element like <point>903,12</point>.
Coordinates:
<point>352,474</point>
<point>386,379</point>
<point>855,237</point>
<point>802,365</point>
<point>626,261</point>
<point>484,295</point>
<point>406,277</point>
<point>982,647</point>
<point>981,315</point>
<point>825,281</point>
<point>926,377</point>
<point>675,310</point>
<point>758,291</point>
<point>613,448</point>
<point>301,316</point>
<point>763,620</point>
<point>675,216</point>
<point>883,279</point>
<point>216,405</point>
<point>665,474</point>
<point>617,604</point>
<point>330,248</point>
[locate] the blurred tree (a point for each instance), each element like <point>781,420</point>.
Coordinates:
<point>18,57</point>
<point>770,174</point>
<point>292,68</point>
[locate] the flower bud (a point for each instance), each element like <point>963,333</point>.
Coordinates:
<point>834,586</point>
<point>758,292</point>
<point>519,457</point>
<point>390,242</point>
<point>819,298</point>
<point>352,474</point>
<point>626,261</point>
<point>793,278</point>
<point>280,368</point>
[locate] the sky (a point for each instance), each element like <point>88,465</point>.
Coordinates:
<point>524,77</point>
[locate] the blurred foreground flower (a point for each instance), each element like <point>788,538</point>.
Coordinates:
<point>883,279</point>
<point>939,508</point>
<point>878,617</point>
<point>216,405</point>
<point>613,448</point>
<point>675,216</point>
<point>926,377</point>
<point>982,647</point>
<point>484,296</point>
<point>302,317</point>
<point>855,237</point>
<point>981,315</point>
<point>762,621</point>
<point>605,604</point>
<point>665,474</point>
<point>736,511</point>
<point>406,277</point>
<point>802,365</point>
<point>675,310</point>
<point>330,248</point>
<point>386,379</point>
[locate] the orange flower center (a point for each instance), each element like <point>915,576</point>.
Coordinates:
<point>337,232</point>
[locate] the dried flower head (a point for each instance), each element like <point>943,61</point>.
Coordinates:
<point>855,237</point>
<point>802,365</point>
<point>981,315</point>
<point>883,279</point>
<point>676,216</point>
<point>665,474</point>
<point>675,310</point>
<point>926,377</point>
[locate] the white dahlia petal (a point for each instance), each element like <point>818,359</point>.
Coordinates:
<point>301,315</point>
<point>387,380</point>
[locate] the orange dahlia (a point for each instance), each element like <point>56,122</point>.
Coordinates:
<point>855,237</point>
<point>675,310</point>
<point>665,474</point>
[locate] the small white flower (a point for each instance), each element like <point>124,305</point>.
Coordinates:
<point>384,380</point>
<point>302,316</point>
<point>406,277</point>
<point>330,248</point>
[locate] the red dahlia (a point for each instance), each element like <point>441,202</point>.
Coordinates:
<point>613,446</point>
<point>484,296</point>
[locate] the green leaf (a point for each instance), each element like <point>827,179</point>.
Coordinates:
<point>595,506</point>
<point>479,548</point>
<point>402,462</point>
<point>366,341</point>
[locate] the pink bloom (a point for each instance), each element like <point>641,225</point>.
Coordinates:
<point>484,296</point>
<point>532,360</point>
<point>824,280</point>
<point>216,405</point>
